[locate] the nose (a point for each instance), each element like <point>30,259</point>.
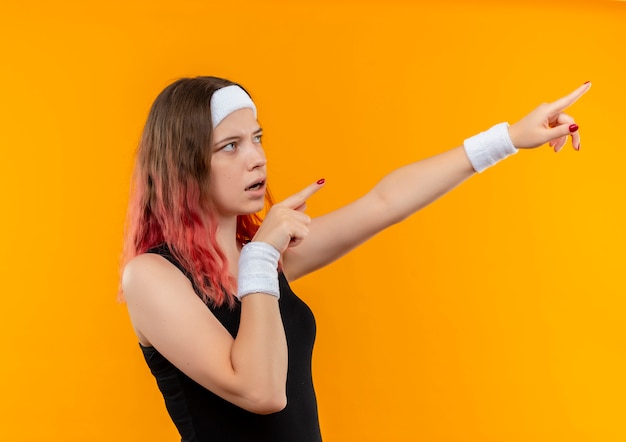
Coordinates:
<point>256,157</point>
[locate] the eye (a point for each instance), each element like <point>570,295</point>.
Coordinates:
<point>257,138</point>
<point>228,147</point>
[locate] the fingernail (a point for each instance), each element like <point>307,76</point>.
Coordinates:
<point>573,127</point>
<point>587,82</point>
<point>320,182</point>
<point>578,148</point>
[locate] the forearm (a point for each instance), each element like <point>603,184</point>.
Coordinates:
<point>259,353</point>
<point>411,187</point>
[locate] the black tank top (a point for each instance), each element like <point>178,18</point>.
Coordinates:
<point>202,416</point>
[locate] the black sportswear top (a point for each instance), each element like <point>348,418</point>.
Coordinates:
<point>202,416</point>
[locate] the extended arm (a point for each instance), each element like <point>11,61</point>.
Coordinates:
<point>398,195</point>
<point>409,188</point>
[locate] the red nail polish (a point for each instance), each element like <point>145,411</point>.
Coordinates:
<point>573,127</point>
<point>320,182</point>
<point>587,82</point>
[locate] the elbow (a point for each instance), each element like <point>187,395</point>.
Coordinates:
<point>267,403</point>
<point>390,211</point>
<point>271,406</point>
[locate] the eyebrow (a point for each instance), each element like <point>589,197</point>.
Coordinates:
<point>236,137</point>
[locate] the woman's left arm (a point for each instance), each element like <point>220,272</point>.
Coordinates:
<point>409,188</point>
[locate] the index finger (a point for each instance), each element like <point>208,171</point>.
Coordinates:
<point>565,102</point>
<point>298,199</point>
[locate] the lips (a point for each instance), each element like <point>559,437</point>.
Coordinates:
<point>257,185</point>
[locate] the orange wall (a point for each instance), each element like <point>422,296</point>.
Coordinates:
<point>496,314</point>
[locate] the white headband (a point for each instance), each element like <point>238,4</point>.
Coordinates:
<point>227,100</point>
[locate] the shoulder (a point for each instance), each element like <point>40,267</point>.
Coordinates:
<point>148,272</point>
<point>155,290</point>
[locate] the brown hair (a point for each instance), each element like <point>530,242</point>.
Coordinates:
<point>170,201</point>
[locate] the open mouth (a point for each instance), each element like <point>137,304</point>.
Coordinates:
<point>256,186</point>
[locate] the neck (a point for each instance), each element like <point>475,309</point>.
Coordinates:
<point>227,240</point>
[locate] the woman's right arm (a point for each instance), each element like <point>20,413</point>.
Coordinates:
<point>249,371</point>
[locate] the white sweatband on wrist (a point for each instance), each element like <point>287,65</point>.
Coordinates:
<point>258,270</point>
<point>487,148</point>
<point>227,100</point>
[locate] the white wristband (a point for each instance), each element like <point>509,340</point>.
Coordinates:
<point>258,270</point>
<point>487,148</point>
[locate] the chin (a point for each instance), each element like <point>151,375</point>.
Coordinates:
<point>254,209</point>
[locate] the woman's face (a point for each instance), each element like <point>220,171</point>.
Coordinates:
<point>238,165</point>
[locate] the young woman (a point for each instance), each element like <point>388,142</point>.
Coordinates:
<point>207,282</point>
